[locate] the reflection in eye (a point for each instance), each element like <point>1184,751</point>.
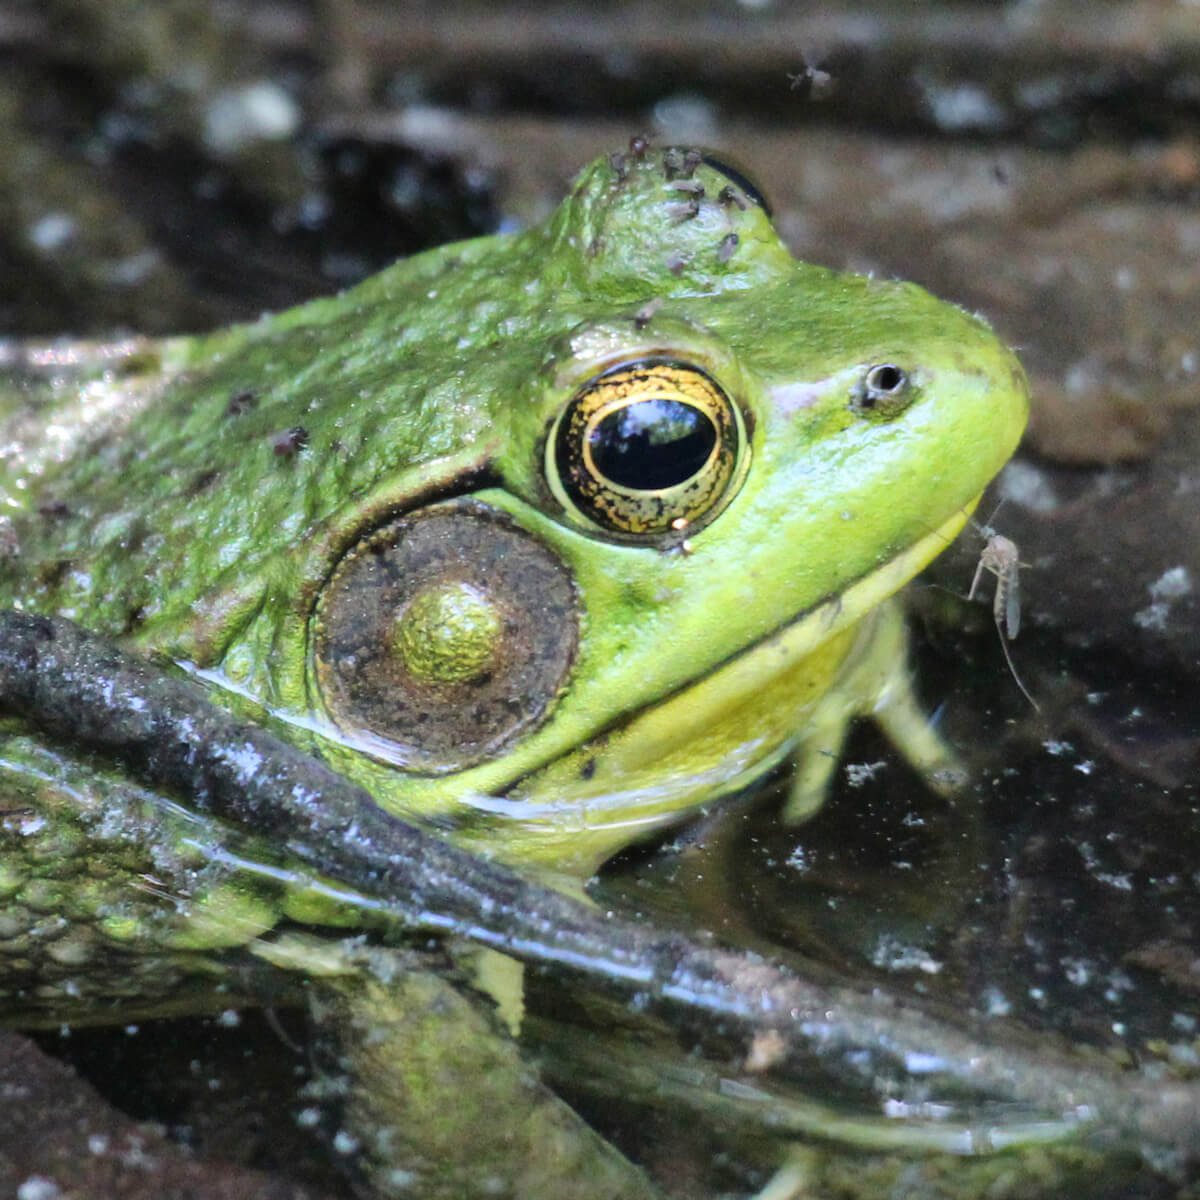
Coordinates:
<point>652,443</point>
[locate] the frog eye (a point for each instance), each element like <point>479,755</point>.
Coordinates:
<point>647,447</point>
<point>443,636</point>
<point>883,391</point>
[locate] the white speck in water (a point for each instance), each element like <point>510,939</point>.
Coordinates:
<point>1180,1054</point>
<point>237,117</point>
<point>133,268</point>
<point>1077,970</point>
<point>38,1187</point>
<point>1058,749</point>
<point>97,1143</point>
<point>995,1002</point>
<point>907,1110</point>
<point>965,106</point>
<point>1153,616</point>
<point>345,1143</point>
<point>891,954</point>
<point>1085,768</point>
<point>686,116</point>
<point>1172,584</point>
<point>800,860</point>
<point>245,758</point>
<point>923,1064</point>
<point>1118,984</point>
<point>230,1018</point>
<point>1029,486</point>
<point>858,774</point>
<point>308,1118</point>
<point>52,231</point>
<point>134,1154</point>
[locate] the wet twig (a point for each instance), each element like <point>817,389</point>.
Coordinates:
<point>78,687</point>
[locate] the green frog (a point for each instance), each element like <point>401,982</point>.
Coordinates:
<point>545,539</point>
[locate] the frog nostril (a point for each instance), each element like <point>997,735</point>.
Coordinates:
<point>882,391</point>
<point>886,377</point>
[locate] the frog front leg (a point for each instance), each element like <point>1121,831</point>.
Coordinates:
<point>876,681</point>
<point>438,1100</point>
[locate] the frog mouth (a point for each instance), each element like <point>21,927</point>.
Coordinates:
<point>621,783</point>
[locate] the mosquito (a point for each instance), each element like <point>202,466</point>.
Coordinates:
<point>1000,557</point>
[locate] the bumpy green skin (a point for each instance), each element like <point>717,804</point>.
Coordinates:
<point>156,494</point>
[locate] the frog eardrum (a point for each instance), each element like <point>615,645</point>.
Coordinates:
<point>443,636</point>
<point>647,447</point>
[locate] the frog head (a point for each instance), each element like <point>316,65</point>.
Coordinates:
<point>558,516</point>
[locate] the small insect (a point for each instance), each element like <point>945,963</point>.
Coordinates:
<point>676,263</point>
<point>290,441</point>
<point>678,164</point>
<point>645,314</point>
<point>679,213</point>
<point>241,401</point>
<point>1001,558</point>
<point>730,195</point>
<point>810,82</point>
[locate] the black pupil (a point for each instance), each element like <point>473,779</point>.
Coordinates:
<point>652,444</point>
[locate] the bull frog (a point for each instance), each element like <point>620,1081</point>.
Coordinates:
<point>545,539</point>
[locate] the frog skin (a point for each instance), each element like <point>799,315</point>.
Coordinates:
<point>544,539</point>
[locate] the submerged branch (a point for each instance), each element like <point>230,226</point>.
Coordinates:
<point>80,688</point>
